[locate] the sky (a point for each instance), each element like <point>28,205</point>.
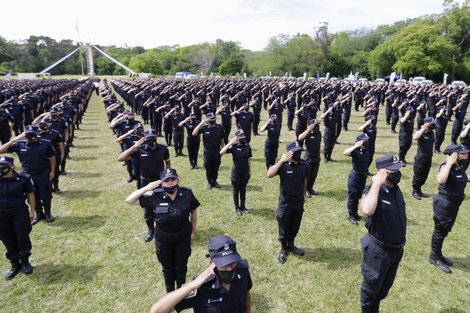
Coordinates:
<point>151,24</point>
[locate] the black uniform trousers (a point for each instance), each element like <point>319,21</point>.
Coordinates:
<point>313,165</point>
<point>456,129</point>
<point>440,135</point>
<point>329,139</point>
<point>445,214</point>
<point>379,268</point>
<point>271,148</point>
<point>43,192</point>
<point>289,216</point>
<point>212,160</point>
<point>173,251</point>
<point>421,168</point>
<point>404,144</point>
<point>193,144</point>
<point>149,214</point>
<point>240,176</point>
<point>227,128</point>
<point>55,179</point>
<point>178,139</point>
<point>15,228</point>
<point>356,184</point>
<point>394,122</point>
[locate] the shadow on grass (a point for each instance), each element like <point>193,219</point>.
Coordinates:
<point>262,305</point>
<point>84,158</point>
<point>340,195</point>
<point>85,174</point>
<point>452,310</point>
<point>80,146</point>
<point>61,273</point>
<point>337,258</point>
<point>80,194</point>
<point>462,264</point>
<point>79,222</point>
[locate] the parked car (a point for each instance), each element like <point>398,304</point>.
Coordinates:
<point>417,80</point>
<point>459,83</point>
<point>380,81</point>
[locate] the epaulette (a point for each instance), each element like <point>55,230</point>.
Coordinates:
<point>24,175</point>
<point>152,192</point>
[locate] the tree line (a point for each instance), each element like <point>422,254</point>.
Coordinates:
<point>429,46</point>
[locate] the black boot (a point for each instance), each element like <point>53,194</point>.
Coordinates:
<point>169,277</point>
<point>292,248</point>
<point>48,216</point>
<point>375,308</point>
<point>26,267</point>
<point>366,309</point>
<point>436,260</point>
<point>416,195</point>
<point>14,270</point>
<point>282,257</point>
<point>150,232</point>
<point>39,216</point>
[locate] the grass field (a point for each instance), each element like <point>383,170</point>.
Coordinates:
<point>93,258</point>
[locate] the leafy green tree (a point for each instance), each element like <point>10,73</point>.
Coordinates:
<point>422,50</point>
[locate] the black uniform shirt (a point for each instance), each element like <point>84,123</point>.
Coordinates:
<point>292,178</point>
<point>426,143</point>
<point>360,160</point>
<point>190,126</point>
<point>54,137</point>
<point>151,161</point>
<point>34,157</point>
<point>13,190</point>
<point>454,187</point>
<point>313,143</point>
<point>171,215</point>
<point>212,136</point>
<point>245,119</point>
<point>213,297</point>
<point>16,110</point>
<point>274,131</point>
<point>226,116</point>
<point>5,120</point>
<point>175,120</point>
<point>388,223</point>
<point>240,154</point>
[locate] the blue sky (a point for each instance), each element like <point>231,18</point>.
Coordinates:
<point>155,23</point>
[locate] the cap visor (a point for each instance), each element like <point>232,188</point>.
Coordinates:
<point>226,260</point>
<point>395,166</point>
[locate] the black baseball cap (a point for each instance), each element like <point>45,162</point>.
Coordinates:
<point>210,115</point>
<point>293,146</point>
<point>6,160</point>
<point>389,162</point>
<point>363,137</point>
<point>149,133</point>
<point>223,251</point>
<point>31,129</point>
<point>455,148</point>
<point>168,173</point>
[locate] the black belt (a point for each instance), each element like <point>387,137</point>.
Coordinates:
<point>386,246</point>
<point>296,198</point>
<point>9,211</point>
<point>451,199</point>
<point>173,235</point>
<point>359,173</point>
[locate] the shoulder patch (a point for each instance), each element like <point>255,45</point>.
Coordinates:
<point>148,193</point>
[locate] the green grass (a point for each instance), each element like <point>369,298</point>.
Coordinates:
<point>93,258</point>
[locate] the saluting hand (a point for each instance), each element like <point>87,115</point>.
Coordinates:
<point>381,177</point>
<point>153,185</point>
<point>452,158</point>
<point>287,156</point>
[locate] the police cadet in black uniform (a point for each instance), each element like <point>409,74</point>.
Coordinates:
<point>241,169</point>
<point>452,181</point>
<point>224,287</point>
<point>176,117</point>
<point>312,137</point>
<point>441,124</point>
<point>383,245</point>
<point>175,210</point>
<point>37,157</point>
<point>329,135</point>
<point>213,135</point>
<point>57,141</point>
<point>271,144</point>
<point>405,137</point>
<point>423,158</point>
<point>126,141</point>
<point>226,117</point>
<point>292,172</point>
<point>152,159</point>
<point>15,219</point>
<point>192,143</point>
<point>6,124</point>
<point>245,120</point>
<point>359,154</point>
